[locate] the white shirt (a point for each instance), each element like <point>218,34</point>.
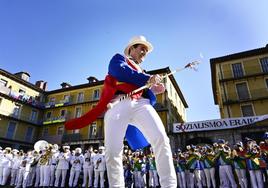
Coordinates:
<point>99,162</point>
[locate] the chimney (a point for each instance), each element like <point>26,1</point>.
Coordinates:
<point>41,84</point>
<point>65,85</point>
<point>23,75</point>
<point>92,79</point>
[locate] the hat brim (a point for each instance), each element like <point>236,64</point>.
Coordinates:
<point>145,43</point>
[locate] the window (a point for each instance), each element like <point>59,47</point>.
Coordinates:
<point>33,115</point>
<point>78,112</point>
<point>266,81</point>
<point>22,91</point>
<point>3,82</point>
<point>48,116</point>
<point>80,97</point>
<point>1,101</point>
<point>11,130</point>
<point>93,130</point>
<point>237,70</point>
<point>62,113</point>
<point>242,91</point>
<point>52,100</point>
<point>60,130</point>
<point>76,131</point>
<point>45,131</point>
<point>16,110</point>
<point>264,64</point>
<point>247,110</point>
<point>66,98</point>
<point>96,94</point>
<point>29,134</point>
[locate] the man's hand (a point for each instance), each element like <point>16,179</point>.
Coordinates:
<point>158,88</point>
<point>155,79</point>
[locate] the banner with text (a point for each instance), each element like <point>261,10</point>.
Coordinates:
<point>217,124</point>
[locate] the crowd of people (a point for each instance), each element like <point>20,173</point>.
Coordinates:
<point>216,165</point>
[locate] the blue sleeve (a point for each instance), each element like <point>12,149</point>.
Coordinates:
<point>119,69</point>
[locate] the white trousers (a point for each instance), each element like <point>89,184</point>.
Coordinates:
<point>23,178</point>
<point>14,176</point>
<point>98,174</point>
<point>138,179</point>
<point>226,176</point>
<point>153,178</point>
<point>44,175</point>
<point>181,179</point>
<point>88,175</point>
<point>256,178</point>
<point>1,174</point>
<point>74,176</point>
<point>141,114</point>
<point>241,175</point>
<point>6,173</point>
<point>52,174</point>
<point>210,177</point>
<point>37,176</point>
<point>60,173</point>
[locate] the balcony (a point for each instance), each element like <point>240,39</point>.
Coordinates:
<point>21,97</point>
<point>18,116</point>
<point>52,120</point>
<point>58,104</point>
<point>228,75</point>
<point>258,94</point>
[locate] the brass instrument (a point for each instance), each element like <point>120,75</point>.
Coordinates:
<point>42,145</point>
<point>98,163</point>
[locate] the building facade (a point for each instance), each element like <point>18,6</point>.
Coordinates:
<point>23,122</point>
<point>240,89</point>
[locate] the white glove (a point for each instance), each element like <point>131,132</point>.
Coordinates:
<point>155,79</point>
<point>158,88</point>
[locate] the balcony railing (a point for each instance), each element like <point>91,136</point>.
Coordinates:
<point>21,117</point>
<point>21,97</point>
<point>51,120</point>
<point>257,94</point>
<point>228,75</point>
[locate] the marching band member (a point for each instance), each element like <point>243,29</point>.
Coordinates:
<point>53,163</point>
<point>190,164</point>
<point>7,165</point>
<point>180,165</point>
<point>25,169</point>
<point>253,164</point>
<point>209,166</point>
<point>17,156</point>
<point>240,164</point>
<point>225,160</point>
<point>37,171</point>
<point>99,167</point>
<point>1,164</point>
<point>139,165</point>
<point>76,166</point>
<point>153,177</point>
<point>34,169</point>
<point>88,167</point>
<point>44,165</point>
<point>63,165</point>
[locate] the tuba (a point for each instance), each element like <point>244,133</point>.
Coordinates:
<point>40,146</point>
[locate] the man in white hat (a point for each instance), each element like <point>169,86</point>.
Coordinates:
<point>136,110</point>
<point>88,167</point>
<point>62,166</point>
<point>76,167</point>
<point>7,165</point>
<point>99,167</point>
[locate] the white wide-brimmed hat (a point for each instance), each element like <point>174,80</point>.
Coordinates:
<point>138,40</point>
<point>102,147</point>
<point>65,147</point>
<point>78,150</point>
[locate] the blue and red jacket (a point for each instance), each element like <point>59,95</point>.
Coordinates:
<point>120,70</point>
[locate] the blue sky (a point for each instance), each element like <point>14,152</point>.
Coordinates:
<point>70,40</point>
